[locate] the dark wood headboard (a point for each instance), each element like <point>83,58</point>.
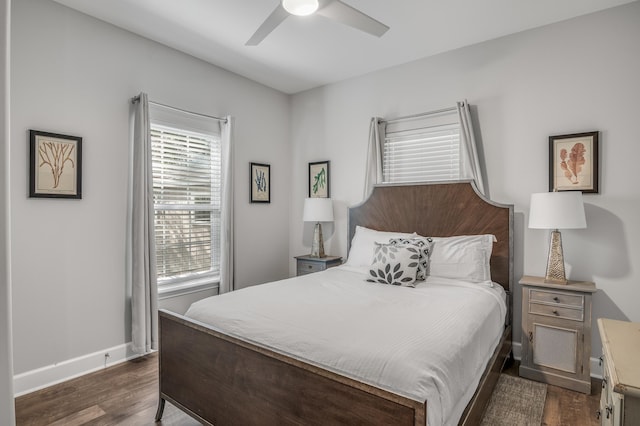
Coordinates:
<point>441,210</point>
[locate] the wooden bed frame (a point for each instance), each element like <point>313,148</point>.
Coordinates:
<point>222,380</point>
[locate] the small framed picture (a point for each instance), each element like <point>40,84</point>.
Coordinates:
<point>573,162</point>
<point>55,165</point>
<point>319,179</point>
<point>260,175</point>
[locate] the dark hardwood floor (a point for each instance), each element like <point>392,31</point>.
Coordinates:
<point>127,394</point>
<point>565,407</point>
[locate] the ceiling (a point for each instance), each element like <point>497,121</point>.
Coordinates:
<point>306,52</point>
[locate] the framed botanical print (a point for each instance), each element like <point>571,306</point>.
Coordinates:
<point>319,179</point>
<point>573,162</point>
<point>55,165</point>
<point>260,175</point>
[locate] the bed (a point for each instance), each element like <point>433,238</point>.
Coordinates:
<point>222,377</point>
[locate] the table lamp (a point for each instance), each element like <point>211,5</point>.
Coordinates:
<point>317,210</point>
<point>556,210</point>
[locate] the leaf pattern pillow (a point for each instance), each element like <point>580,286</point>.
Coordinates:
<point>395,265</point>
<point>425,248</point>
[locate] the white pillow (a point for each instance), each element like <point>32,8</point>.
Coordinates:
<point>364,241</point>
<point>465,257</point>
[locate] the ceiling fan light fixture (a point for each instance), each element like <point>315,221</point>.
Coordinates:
<point>300,7</point>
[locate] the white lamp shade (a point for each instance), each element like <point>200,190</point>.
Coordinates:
<point>557,210</point>
<point>318,210</point>
<point>300,7</point>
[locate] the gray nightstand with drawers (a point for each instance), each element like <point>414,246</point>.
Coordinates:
<point>308,264</point>
<point>556,332</point>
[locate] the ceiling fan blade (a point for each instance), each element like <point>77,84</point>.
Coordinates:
<point>270,24</point>
<point>345,14</point>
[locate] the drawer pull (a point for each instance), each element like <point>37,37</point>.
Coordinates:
<point>555,299</point>
<point>310,266</point>
<point>609,410</point>
<point>556,312</point>
<point>598,414</point>
<point>604,382</point>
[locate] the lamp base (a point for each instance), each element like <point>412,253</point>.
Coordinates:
<point>317,246</point>
<point>555,263</point>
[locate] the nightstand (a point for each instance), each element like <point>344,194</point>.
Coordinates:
<point>620,397</point>
<point>556,332</point>
<point>307,264</point>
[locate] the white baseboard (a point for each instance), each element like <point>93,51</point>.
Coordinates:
<point>596,368</point>
<point>517,350</point>
<point>40,378</point>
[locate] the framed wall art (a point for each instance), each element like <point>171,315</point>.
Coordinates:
<point>55,165</point>
<point>573,162</point>
<point>319,179</point>
<point>260,175</point>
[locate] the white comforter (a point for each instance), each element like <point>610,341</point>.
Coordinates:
<point>428,343</point>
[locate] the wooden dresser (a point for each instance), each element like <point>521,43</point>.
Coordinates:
<point>620,398</point>
<point>556,332</point>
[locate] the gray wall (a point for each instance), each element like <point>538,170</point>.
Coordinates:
<point>7,415</point>
<point>74,75</point>
<point>578,75</point>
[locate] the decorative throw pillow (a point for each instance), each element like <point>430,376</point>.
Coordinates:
<point>425,248</point>
<point>395,264</point>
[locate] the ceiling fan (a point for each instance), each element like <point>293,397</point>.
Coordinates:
<point>335,10</point>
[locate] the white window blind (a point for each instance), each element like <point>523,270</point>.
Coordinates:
<point>187,202</point>
<point>422,149</point>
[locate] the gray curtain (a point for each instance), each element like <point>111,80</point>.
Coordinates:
<point>141,253</point>
<point>226,239</point>
<point>468,147</point>
<point>373,173</point>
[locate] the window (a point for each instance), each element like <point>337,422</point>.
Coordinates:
<point>422,148</point>
<point>187,202</point>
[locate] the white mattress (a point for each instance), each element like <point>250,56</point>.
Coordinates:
<point>428,343</point>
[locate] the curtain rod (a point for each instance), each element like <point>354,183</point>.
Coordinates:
<point>423,114</point>
<point>137,98</point>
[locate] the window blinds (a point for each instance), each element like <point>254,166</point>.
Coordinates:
<point>187,201</point>
<point>422,148</point>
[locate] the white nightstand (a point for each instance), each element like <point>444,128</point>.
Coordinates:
<point>556,332</point>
